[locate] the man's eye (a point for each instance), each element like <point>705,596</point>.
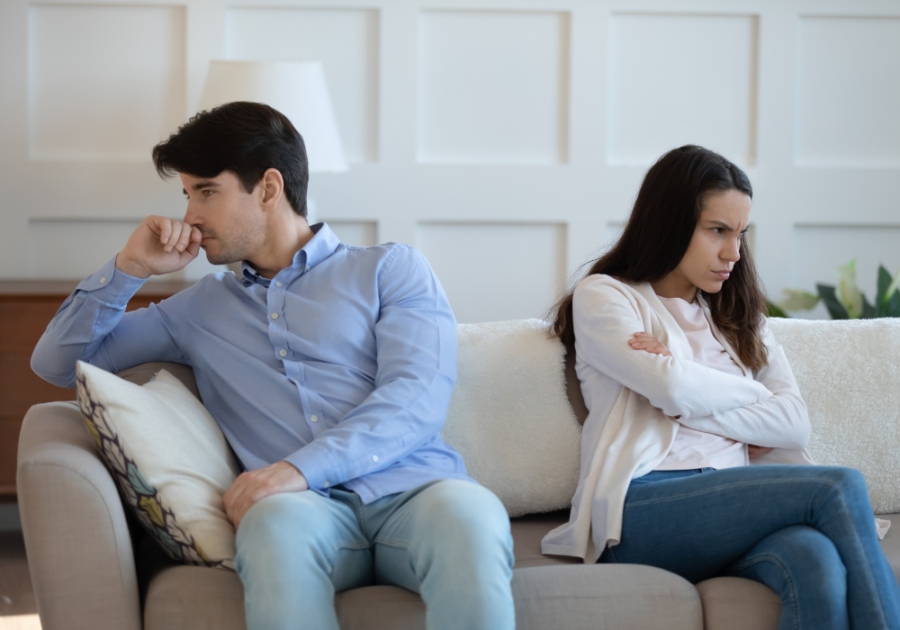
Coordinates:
<point>207,193</point>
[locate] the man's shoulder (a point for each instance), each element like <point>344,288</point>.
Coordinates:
<point>383,256</point>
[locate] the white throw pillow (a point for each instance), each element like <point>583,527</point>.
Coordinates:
<point>169,459</point>
<point>510,416</point>
<point>849,374</point>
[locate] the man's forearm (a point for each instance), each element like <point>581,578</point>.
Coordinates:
<point>81,324</point>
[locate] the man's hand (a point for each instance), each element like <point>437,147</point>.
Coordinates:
<point>757,451</point>
<point>255,485</point>
<point>648,343</point>
<point>159,246</point>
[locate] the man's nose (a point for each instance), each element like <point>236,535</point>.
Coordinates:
<point>191,217</point>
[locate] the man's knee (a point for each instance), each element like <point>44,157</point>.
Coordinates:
<point>464,519</point>
<point>279,518</point>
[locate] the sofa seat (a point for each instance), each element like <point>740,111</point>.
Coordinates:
<point>549,593</point>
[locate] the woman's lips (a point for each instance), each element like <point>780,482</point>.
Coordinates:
<point>723,275</point>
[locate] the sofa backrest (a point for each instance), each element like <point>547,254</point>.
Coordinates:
<point>849,374</point>
<point>516,410</point>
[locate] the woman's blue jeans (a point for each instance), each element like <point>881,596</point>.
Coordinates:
<point>806,532</point>
<point>449,541</point>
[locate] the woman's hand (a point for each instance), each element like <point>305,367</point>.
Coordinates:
<point>757,451</point>
<point>648,343</point>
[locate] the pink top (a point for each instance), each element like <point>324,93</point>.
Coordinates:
<point>695,449</point>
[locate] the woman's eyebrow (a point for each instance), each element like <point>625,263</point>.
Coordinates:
<point>721,224</point>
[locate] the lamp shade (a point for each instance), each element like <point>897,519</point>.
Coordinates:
<point>295,88</point>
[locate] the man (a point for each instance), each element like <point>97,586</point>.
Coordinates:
<point>329,369</point>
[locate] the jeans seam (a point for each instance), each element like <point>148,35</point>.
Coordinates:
<point>865,557</point>
<point>792,594</point>
<point>718,488</point>
<point>400,544</point>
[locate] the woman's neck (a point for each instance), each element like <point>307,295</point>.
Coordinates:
<point>675,286</point>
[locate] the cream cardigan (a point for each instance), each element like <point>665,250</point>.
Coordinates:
<point>633,398</point>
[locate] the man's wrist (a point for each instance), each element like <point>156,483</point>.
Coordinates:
<point>127,266</point>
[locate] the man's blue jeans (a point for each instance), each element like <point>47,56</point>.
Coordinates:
<point>806,532</point>
<point>448,540</point>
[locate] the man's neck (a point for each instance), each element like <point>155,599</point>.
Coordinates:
<point>286,235</point>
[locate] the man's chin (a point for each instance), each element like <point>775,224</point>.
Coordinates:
<point>219,258</point>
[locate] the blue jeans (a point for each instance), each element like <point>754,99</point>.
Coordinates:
<point>806,532</point>
<point>448,540</point>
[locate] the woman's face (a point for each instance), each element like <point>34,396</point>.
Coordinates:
<point>715,245</point>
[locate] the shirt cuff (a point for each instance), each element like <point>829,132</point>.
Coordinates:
<point>117,286</point>
<point>314,463</point>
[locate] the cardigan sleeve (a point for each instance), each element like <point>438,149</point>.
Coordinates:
<point>779,421</point>
<point>606,316</point>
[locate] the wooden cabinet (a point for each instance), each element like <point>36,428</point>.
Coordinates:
<point>26,307</point>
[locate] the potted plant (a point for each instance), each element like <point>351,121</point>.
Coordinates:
<point>845,301</point>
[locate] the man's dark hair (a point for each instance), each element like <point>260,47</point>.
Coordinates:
<point>245,138</point>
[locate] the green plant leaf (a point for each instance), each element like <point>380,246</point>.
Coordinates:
<point>798,300</point>
<point>894,304</point>
<point>775,311</point>
<point>848,292</point>
<point>895,286</point>
<point>868,311</point>
<point>882,307</point>
<point>835,308</point>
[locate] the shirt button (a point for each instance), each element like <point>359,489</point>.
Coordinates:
<point>314,418</point>
<point>283,353</point>
<point>103,279</point>
<point>274,315</point>
<point>277,284</point>
<point>307,268</point>
<point>374,458</point>
<point>326,484</point>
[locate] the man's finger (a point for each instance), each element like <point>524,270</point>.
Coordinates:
<point>165,229</point>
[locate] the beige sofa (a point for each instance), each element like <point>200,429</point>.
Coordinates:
<point>93,568</point>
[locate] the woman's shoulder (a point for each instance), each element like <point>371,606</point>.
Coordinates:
<point>602,285</point>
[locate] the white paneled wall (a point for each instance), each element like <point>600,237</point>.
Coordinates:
<point>505,139</point>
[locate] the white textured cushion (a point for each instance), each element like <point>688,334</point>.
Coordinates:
<point>849,374</point>
<point>510,418</point>
<point>169,459</point>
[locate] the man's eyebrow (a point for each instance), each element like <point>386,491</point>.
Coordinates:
<point>202,185</point>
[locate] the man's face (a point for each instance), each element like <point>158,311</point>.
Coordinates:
<point>230,219</point>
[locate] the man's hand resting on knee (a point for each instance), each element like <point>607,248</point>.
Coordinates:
<point>256,485</point>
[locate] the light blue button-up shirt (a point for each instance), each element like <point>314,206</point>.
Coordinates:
<point>342,364</point>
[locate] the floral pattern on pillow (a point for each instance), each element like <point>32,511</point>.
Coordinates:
<point>143,498</point>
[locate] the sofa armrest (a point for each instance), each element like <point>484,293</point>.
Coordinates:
<point>79,549</point>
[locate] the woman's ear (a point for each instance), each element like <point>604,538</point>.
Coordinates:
<point>272,187</point>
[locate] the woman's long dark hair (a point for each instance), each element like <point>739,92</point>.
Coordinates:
<point>658,234</point>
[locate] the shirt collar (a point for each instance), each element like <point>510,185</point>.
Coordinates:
<point>322,245</point>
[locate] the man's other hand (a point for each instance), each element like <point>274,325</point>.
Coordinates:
<point>159,246</point>
<point>255,485</point>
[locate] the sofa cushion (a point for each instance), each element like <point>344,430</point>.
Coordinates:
<point>848,373</point>
<point>510,417</point>
<point>731,603</point>
<point>580,597</point>
<point>169,459</point>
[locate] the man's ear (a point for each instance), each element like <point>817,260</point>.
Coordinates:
<point>272,188</point>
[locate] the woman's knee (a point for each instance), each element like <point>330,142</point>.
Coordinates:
<point>807,561</point>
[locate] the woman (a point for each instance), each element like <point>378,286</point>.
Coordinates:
<point>685,385</point>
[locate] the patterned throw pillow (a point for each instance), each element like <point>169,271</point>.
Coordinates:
<point>168,458</point>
